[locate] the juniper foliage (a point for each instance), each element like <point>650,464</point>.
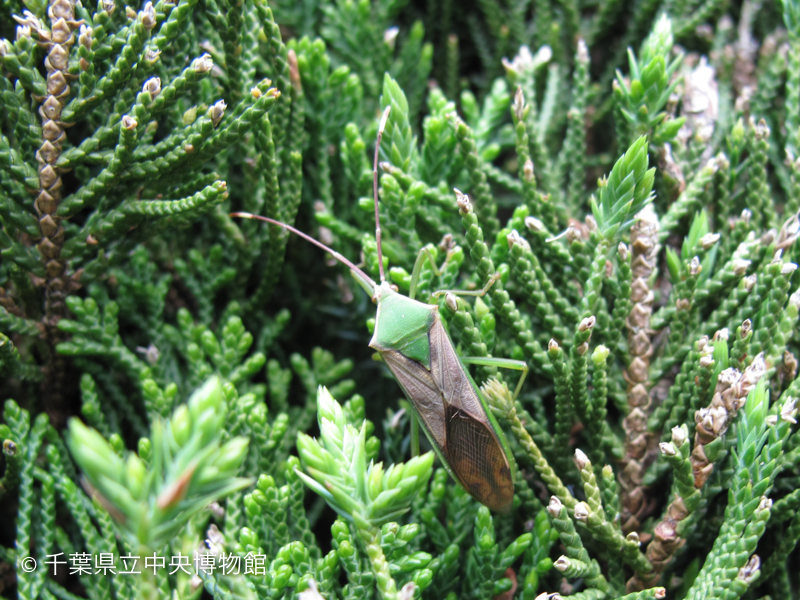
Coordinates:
<point>196,391</point>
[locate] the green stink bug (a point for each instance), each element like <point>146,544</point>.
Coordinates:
<point>412,340</point>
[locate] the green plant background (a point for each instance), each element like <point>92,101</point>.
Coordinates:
<point>175,378</point>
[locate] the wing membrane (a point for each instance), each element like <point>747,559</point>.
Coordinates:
<point>478,460</point>
<point>423,392</point>
<point>448,373</point>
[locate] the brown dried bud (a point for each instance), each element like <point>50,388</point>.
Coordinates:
<point>85,37</point>
<point>527,171</point>
<point>587,323</point>
<point>581,460</point>
<point>667,449</point>
<point>552,345</point>
<point>573,234</point>
<point>217,111</point>
<point>582,512</point>
<point>554,507</point>
<point>51,109</point>
<point>751,570</point>
<point>680,435</point>
<point>451,302</point>
<point>462,200</point>
<point>788,411</point>
<point>790,365</point>
<point>390,37</point>
<point>761,130</point>
<point>752,374</point>
<point>61,9</point>
<point>640,315</point>
<point>640,291</point>
<point>794,300</point>
<point>45,203</point>
<point>622,251</point>
<point>56,83</point>
<point>740,266</point>
<point>58,57</point>
<point>47,176</point>
<point>49,249</point>
<point>61,32</point>
<point>108,6</point>
<point>23,31</point>
<point>47,153</point>
<point>519,104</point>
<point>637,395</point>
<point>52,132</point>
<point>294,71</point>
<point>701,475</point>
<point>695,268</point>
<point>583,52</point>
<point>28,19</point>
<point>534,224</point>
<point>48,226</point>
<point>149,16</point>
<point>636,419</point>
<point>562,563</point>
<point>789,232</point>
<point>54,269</point>
<point>665,531</point>
<point>514,238</point>
<point>204,64</point>
<point>129,122</point>
<point>747,325</point>
<point>152,86</point>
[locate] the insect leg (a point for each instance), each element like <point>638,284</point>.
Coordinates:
<point>480,292</point>
<point>503,363</point>
<point>414,434</point>
<point>412,291</point>
<point>423,254</point>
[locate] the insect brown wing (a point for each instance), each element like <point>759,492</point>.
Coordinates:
<point>473,448</point>
<point>449,375</point>
<point>478,460</point>
<point>420,388</point>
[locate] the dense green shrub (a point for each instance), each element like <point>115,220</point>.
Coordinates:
<point>196,390</point>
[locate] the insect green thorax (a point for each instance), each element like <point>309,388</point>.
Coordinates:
<point>413,342</point>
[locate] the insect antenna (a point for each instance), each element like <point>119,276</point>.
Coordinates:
<point>381,127</point>
<point>308,238</point>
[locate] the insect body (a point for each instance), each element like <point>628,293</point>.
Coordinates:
<point>411,338</point>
